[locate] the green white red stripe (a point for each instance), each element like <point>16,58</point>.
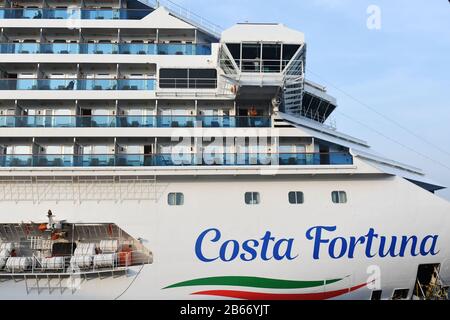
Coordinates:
<point>264,283</point>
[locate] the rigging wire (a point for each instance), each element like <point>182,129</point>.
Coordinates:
<point>394,141</point>
<point>398,124</point>
<point>390,120</point>
<point>131,283</point>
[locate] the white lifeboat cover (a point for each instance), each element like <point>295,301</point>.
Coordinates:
<point>18,264</point>
<point>105,260</point>
<point>82,262</point>
<point>85,249</point>
<point>55,263</point>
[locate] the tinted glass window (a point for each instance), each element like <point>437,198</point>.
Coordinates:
<point>400,294</point>
<point>235,50</point>
<point>296,197</point>
<point>175,199</point>
<point>376,295</point>
<point>188,78</point>
<point>252,198</point>
<point>289,51</point>
<point>339,197</point>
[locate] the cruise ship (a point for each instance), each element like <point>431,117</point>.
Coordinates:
<point>145,153</point>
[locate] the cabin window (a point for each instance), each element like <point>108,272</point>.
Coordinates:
<point>296,197</point>
<point>376,295</point>
<point>175,199</point>
<point>400,294</point>
<point>235,50</point>
<point>188,78</point>
<point>252,198</point>
<point>339,197</point>
<point>289,51</point>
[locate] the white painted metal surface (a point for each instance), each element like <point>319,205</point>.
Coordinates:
<point>184,239</point>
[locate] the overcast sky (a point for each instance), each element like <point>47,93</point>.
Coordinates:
<point>401,70</point>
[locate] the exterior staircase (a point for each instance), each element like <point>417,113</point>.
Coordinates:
<point>294,82</point>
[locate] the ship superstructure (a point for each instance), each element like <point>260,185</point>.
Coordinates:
<point>141,125</point>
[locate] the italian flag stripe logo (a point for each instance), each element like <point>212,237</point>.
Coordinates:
<point>245,295</point>
<point>264,283</point>
<point>252,282</point>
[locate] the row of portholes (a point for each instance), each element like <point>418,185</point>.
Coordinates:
<point>399,294</point>
<point>254,198</point>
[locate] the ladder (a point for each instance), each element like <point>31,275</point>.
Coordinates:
<point>435,290</point>
<point>294,80</point>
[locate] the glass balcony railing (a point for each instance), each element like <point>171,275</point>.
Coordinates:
<point>77,84</point>
<point>92,14</point>
<point>138,48</point>
<point>137,121</point>
<point>96,121</point>
<point>42,121</point>
<point>53,161</point>
<point>171,160</point>
<point>136,84</point>
<point>98,48</point>
<point>134,160</point>
<point>21,48</point>
<point>106,48</point>
<point>59,48</point>
<point>232,122</point>
<point>77,13</point>
<point>97,84</point>
<point>16,160</point>
<point>334,158</point>
<point>108,160</point>
<point>194,121</point>
<point>61,121</point>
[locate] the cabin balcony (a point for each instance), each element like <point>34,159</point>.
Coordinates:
<point>170,160</point>
<point>17,153</point>
<point>103,41</point>
<point>77,84</point>
<point>78,77</point>
<point>105,48</point>
<point>132,121</point>
<point>74,13</point>
<point>132,114</point>
<point>165,152</point>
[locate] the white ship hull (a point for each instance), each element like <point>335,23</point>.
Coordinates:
<point>168,153</point>
<point>391,206</point>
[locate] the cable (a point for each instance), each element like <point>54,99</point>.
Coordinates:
<point>131,283</point>
<point>383,116</point>
<point>393,140</point>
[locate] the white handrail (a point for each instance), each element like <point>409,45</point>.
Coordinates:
<point>186,15</point>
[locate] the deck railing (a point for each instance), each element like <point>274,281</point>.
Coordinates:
<point>177,160</point>
<point>77,84</point>
<point>128,121</point>
<point>186,15</point>
<point>74,13</point>
<point>106,48</point>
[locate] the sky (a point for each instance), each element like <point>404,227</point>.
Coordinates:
<point>391,78</point>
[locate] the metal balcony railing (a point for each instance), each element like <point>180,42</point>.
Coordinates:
<point>77,84</point>
<point>188,83</point>
<point>73,13</point>
<point>98,121</point>
<point>106,48</point>
<point>255,65</point>
<point>177,160</point>
<point>186,15</point>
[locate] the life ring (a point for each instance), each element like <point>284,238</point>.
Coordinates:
<point>234,89</point>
